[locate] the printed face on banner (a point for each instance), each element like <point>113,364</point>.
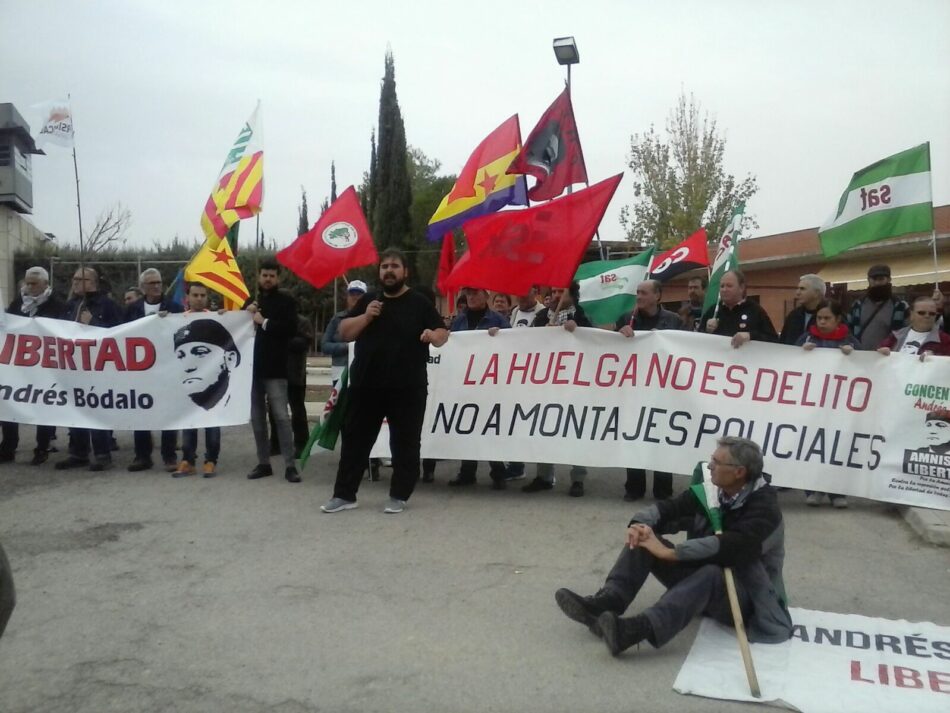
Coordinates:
<point>206,356</point>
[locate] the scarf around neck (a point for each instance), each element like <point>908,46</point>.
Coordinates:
<point>30,303</point>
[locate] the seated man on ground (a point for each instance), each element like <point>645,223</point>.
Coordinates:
<point>752,543</point>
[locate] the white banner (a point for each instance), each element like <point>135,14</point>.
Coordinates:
<point>833,662</point>
<point>179,371</point>
<point>853,425</point>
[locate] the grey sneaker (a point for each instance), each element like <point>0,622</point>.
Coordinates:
<point>394,505</point>
<point>839,501</point>
<point>814,499</point>
<point>337,504</point>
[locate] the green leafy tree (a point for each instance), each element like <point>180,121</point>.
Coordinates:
<point>391,195</point>
<point>428,189</point>
<point>680,183</point>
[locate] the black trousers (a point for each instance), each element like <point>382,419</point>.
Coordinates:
<point>468,468</point>
<point>405,410</point>
<point>11,437</point>
<point>691,590</point>
<point>143,443</point>
<point>636,484</point>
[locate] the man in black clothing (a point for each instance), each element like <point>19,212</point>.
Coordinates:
<point>752,542</point>
<point>696,295</point>
<point>275,316</point>
<point>393,330</point>
<point>89,306</point>
<point>647,316</point>
<point>808,295</point>
<point>737,317</point>
<point>36,299</point>
<point>153,301</point>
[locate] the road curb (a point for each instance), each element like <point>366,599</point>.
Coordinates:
<point>932,525</point>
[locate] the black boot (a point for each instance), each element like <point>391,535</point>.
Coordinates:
<point>585,610</point>
<point>620,634</point>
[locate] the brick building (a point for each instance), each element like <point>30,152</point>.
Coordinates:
<point>774,263</point>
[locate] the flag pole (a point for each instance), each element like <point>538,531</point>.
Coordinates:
<point>82,244</point>
<point>933,243</point>
<point>257,255</point>
<point>600,245</point>
<point>740,633</point>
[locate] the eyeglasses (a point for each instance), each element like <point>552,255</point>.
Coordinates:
<point>154,282</point>
<point>713,463</point>
<point>925,314</point>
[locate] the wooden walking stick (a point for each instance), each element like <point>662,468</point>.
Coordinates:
<point>708,495</point>
<point>740,631</point>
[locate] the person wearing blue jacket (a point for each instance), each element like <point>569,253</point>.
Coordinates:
<point>477,315</point>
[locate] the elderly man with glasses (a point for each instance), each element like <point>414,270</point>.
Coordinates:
<point>752,542</point>
<point>921,337</point>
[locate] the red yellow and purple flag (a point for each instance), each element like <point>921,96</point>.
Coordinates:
<point>483,186</point>
<point>238,192</point>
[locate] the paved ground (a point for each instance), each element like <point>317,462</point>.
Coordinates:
<point>138,592</point>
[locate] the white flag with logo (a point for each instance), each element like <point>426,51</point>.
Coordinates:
<point>56,123</point>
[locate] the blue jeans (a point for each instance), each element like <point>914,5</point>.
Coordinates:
<point>271,392</point>
<point>189,444</point>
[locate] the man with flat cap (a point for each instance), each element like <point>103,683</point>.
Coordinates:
<point>873,318</point>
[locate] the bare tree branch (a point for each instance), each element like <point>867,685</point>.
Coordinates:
<point>108,233</point>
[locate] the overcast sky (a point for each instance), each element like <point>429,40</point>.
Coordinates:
<point>806,92</point>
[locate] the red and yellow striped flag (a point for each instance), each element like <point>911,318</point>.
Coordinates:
<point>217,269</point>
<point>239,190</point>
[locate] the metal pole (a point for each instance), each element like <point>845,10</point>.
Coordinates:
<point>82,245</point>
<point>933,242</point>
<point>600,245</point>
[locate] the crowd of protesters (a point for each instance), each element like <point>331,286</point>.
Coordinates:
<point>879,320</point>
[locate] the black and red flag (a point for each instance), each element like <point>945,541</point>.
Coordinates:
<point>552,152</point>
<point>688,255</point>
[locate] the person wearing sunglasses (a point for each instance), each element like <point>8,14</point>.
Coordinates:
<point>921,337</point>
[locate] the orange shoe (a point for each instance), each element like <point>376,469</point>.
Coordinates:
<point>184,469</point>
<point>208,470</point>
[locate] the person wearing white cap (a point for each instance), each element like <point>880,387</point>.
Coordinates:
<point>332,345</point>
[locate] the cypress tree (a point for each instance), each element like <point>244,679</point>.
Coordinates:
<point>332,182</point>
<point>303,220</point>
<point>391,194</point>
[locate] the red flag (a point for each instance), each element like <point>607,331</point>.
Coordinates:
<point>552,152</point>
<point>688,255</point>
<point>513,250</point>
<point>446,261</point>
<point>339,241</point>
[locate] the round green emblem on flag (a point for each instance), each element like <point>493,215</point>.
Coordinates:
<point>340,235</point>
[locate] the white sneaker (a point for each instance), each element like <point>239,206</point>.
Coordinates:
<point>337,504</point>
<point>814,499</point>
<point>394,506</point>
<point>840,502</point>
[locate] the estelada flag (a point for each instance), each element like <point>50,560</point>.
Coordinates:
<point>340,240</point>
<point>552,152</point>
<point>238,192</point>
<point>217,269</point>
<point>513,250</point>
<point>483,186</point>
<point>688,255</point>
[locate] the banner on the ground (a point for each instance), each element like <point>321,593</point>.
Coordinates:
<point>833,662</point>
<point>855,424</point>
<point>178,371</point>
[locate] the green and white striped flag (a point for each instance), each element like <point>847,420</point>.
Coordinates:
<point>608,288</point>
<point>726,256</point>
<point>889,198</point>
<point>707,494</point>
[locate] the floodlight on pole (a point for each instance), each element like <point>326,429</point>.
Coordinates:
<point>565,49</point>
